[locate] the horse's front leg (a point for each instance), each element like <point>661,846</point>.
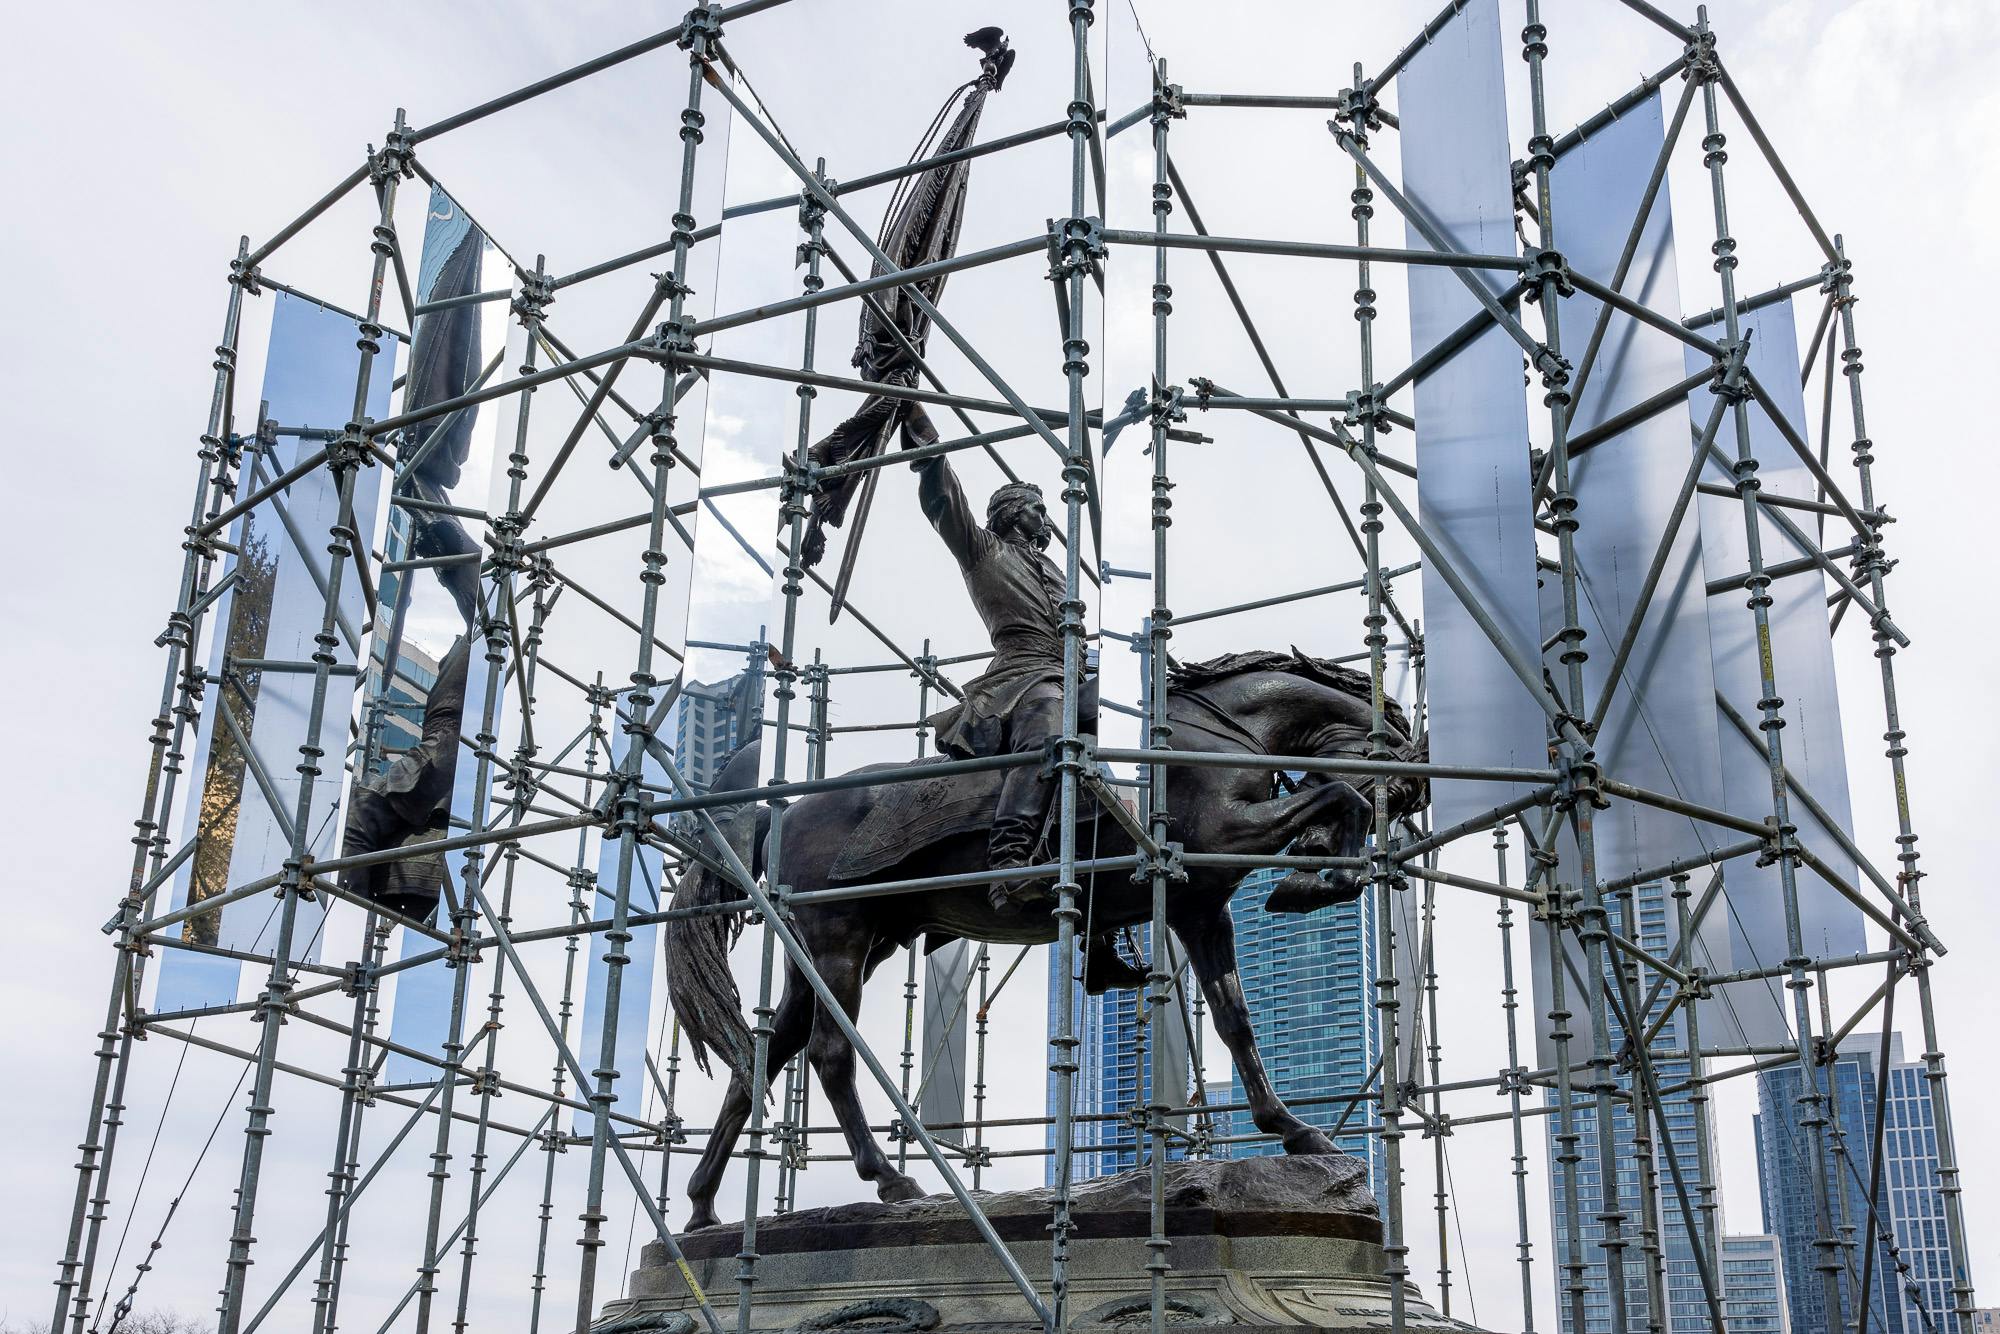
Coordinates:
<point>1267,826</point>
<point>1210,939</point>
<point>1322,819</point>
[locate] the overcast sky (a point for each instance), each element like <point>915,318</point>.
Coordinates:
<point>147,139</point>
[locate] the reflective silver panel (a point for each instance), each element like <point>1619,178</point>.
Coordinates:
<point>1802,662</point>
<point>1659,730</point>
<point>947,977</point>
<point>1472,422</point>
<point>274,612</point>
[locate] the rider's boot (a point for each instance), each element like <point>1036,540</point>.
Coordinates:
<point>1022,810</point>
<point>1017,823</point>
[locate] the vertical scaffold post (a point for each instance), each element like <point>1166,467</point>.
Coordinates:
<point>627,798</point>
<point>1516,1084</point>
<point>1076,258</point>
<point>180,707</point>
<point>345,458</point>
<point>1385,879</point>
<point>1579,792</point>
<point>1702,66</point>
<point>582,883</point>
<point>1874,566</point>
<point>1704,1165</point>
<point>529,307</point>
<point>1161,1008</point>
<point>793,511</point>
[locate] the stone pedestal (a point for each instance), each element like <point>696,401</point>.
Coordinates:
<point>1267,1244</point>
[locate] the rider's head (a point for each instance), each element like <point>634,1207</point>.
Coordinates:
<point>1016,513</point>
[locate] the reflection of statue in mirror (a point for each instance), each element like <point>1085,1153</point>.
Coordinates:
<point>408,801</point>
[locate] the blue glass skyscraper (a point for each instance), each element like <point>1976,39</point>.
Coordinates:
<point>1310,983</point>
<point>1686,1305</point>
<point>1905,1298</point>
<point>1113,1058</point>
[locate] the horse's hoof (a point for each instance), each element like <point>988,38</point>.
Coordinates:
<point>1306,1141</point>
<point>1115,973</point>
<point>897,1189</point>
<point>1305,891</point>
<point>700,1219</point>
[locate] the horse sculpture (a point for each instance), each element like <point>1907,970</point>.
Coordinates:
<point>1264,703</point>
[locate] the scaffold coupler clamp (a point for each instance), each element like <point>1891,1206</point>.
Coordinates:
<point>1578,779</point>
<point>798,483</point>
<point>899,1131</point>
<point>1543,269</point>
<point>537,294</point>
<point>349,449</point>
<point>357,977</point>
<point>1776,845</point>
<point>701,29</point>
<point>1169,103</point>
<point>673,338</point>
<point>1171,863</point>
<point>1055,761</point>
<point>485,1082</point>
<point>248,277</point>
<point>396,157</point>
<point>1368,407</point>
<point>978,1155</point>
<point>1077,246</point>
<point>1702,64</point>
<point>1360,111</point>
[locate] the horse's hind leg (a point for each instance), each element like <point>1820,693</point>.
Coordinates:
<point>1210,939</point>
<point>833,1058</point>
<point>790,1027</point>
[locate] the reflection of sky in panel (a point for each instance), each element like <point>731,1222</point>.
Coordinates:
<point>635,988</point>
<point>679,611</point>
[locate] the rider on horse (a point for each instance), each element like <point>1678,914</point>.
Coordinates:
<point>1015,706</point>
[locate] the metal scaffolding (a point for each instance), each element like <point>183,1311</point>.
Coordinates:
<point>548,806</point>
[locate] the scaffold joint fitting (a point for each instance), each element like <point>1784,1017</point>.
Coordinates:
<point>700,30</point>
<point>1543,268</point>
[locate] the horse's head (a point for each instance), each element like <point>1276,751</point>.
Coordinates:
<point>1301,705</point>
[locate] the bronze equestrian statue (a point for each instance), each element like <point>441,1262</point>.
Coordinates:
<point>1263,703</point>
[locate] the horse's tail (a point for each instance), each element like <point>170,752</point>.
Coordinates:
<point>699,982</point>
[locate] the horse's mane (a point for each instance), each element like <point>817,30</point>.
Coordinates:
<point>1405,794</point>
<point>1344,679</point>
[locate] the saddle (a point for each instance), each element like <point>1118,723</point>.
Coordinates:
<point>909,817</point>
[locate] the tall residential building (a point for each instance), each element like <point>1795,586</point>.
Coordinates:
<point>1310,982</point>
<point>1753,1286</point>
<point>1686,1305</point>
<point>711,721</point>
<point>1114,1060</point>
<point>402,703</point>
<point>1911,1291</point>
